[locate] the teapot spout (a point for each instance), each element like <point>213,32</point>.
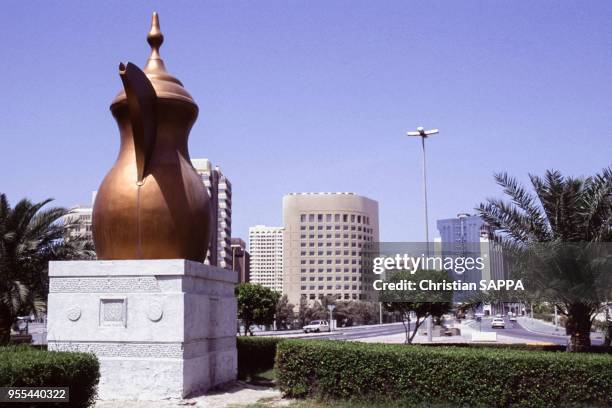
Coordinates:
<point>142,105</point>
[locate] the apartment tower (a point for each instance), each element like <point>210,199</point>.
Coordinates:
<point>266,250</point>
<point>219,189</point>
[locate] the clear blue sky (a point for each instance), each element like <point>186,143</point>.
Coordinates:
<point>317,96</point>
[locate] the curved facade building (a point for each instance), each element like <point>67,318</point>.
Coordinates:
<point>322,245</point>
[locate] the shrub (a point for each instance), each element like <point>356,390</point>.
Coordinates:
<point>459,376</point>
<point>255,355</point>
<point>24,366</point>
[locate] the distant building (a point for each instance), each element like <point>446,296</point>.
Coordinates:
<point>460,233</point>
<point>469,236</point>
<point>241,260</point>
<point>266,250</point>
<point>219,189</point>
<point>325,234</point>
<point>78,222</point>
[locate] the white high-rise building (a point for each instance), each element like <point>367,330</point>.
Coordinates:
<point>266,249</point>
<point>220,192</point>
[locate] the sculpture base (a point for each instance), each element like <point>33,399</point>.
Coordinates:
<point>160,328</point>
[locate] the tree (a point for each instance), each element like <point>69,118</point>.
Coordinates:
<point>344,314</point>
<point>563,210</point>
<point>422,303</point>
<point>302,311</point>
<point>256,305</point>
<point>30,237</point>
<point>316,312</point>
<point>355,312</point>
<point>284,312</point>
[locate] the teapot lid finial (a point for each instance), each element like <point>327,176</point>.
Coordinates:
<point>155,38</point>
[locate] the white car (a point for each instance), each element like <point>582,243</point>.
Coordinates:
<point>512,318</point>
<point>498,323</point>
<point>316,326</point>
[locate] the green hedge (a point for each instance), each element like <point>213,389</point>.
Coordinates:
<point>255,355</point>
<point>459,376</point>
<point>24,366</point>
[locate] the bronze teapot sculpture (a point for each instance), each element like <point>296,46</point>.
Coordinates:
<point>152,204</point>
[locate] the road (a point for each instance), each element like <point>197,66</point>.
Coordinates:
<point>512,329</point>
<point>363,332</point>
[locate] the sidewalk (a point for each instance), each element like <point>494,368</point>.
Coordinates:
<point>541,327</point>
<point>235,394</point>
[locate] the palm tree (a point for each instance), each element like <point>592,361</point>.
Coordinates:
<point>30,237</point>
<point>562,210</point>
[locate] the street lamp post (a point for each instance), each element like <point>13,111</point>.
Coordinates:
<point>423,134</point>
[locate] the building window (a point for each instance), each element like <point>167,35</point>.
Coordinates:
<point>303,218</point>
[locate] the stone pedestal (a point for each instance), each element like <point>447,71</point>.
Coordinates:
<point>160,328</point>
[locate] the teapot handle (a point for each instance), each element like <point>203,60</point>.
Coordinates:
<point>142,105</point>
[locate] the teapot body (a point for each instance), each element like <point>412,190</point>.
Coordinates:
<point>167,214</point>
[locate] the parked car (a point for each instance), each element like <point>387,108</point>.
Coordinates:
<point>316,326</point>
<point>498,323</point>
